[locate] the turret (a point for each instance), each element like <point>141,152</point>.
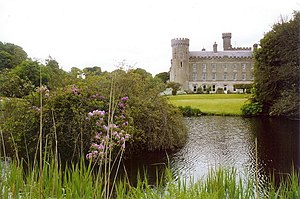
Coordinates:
<point>180,62</point>
<point>226,41</point>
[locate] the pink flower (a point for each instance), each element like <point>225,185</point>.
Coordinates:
<point>124,98</point>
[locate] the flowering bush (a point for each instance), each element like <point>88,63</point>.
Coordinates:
<point>111,131</point>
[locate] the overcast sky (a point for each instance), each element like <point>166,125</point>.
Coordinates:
<point>85,33</point>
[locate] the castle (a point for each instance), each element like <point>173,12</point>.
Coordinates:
<point>211,70</point>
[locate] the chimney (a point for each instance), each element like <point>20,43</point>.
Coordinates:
<point>215,46</point>
<point>226,41</point>
<point>255,47</point>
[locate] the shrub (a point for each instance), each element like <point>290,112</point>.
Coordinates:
<point>188,111</point>
<point>220,91</point>
<point>251,109</point>
<point>199,90</point>
<point>156,124</point>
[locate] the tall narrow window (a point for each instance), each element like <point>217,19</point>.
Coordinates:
<point>194,67</point>
<point>204,76</point>
<point>225,76</point>
<point>214,66</point>
<point>234,66</point>
<point>213,88</point>
<point>243,66</point>
<point>194,76</point>
<point>214,76</point>
<point>204,66</point>
<point>234,76</point>
<point>181,63</point>
<point>243,76</point>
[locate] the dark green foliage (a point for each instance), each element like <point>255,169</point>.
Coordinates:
<point>277,69</point>
<point>157,124</point>
<point>246,87</point>
<point>208,89</point>
<point>96,70</point>
<point>5,60</point>
<point>188,111</point>
<point>11,55</point>
<point>164,76</point>
<point>199,90</point>
<point>11,85</point>
<point>251,109</point>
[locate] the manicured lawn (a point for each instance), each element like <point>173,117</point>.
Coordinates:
<point>216,104</point>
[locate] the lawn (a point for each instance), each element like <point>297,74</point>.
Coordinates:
<point>215,104</point>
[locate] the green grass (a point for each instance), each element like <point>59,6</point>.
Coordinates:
<point>212,104</point>
<point>80,181</point>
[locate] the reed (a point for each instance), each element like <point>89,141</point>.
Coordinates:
<point>79,181</point>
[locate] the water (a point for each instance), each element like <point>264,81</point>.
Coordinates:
<point>230,141</point>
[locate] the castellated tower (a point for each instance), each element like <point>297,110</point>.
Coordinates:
<point>179,71</point>
<point>226,41</point>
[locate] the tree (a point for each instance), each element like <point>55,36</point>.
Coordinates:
<point>57,78</point>
<point>11,85</point>
<point>164,76</point>
<point>16,55</point>
<point>277,69</point>
<point>32,70</point>
<point>175,86</point>
<point>96,70</point>
<point>5,60</point>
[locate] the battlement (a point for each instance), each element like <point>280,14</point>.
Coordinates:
<point>180,42</point>
<point>240,48</point>
<point>226,35</point>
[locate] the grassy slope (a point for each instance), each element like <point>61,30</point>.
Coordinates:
<point>217,104</point>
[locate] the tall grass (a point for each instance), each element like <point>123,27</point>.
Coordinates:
<point>79,181</point>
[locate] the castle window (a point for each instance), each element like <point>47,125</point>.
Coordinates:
<point>243,66</point>
<point>214,88</point>
<point>204,76</point>
<point>194,67</point>
<point>234,66</point>
<point>195,88</point>
<point>194,76</point>
<point>204,66</point>
<point>214,76</point>
<point>214,66</point>
<point>204,87</point>
<point>181,63</point>
<point>243,76</point>
<point>225,87</point>
<point>225,66</point>
<point>225,76</point>
<point>234,76</point>
<point>251,75</point>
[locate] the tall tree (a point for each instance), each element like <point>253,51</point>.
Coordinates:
<point>164,76</point>
<point>17,55</point>
<point>277,69</point>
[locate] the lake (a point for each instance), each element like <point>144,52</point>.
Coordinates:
<point>230,141</point>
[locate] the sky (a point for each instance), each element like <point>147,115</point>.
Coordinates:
<point>87,33</point>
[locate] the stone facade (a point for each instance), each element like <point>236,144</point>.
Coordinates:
<point>211,69</point>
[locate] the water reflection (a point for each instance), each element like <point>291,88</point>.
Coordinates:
<point>230,141</point>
